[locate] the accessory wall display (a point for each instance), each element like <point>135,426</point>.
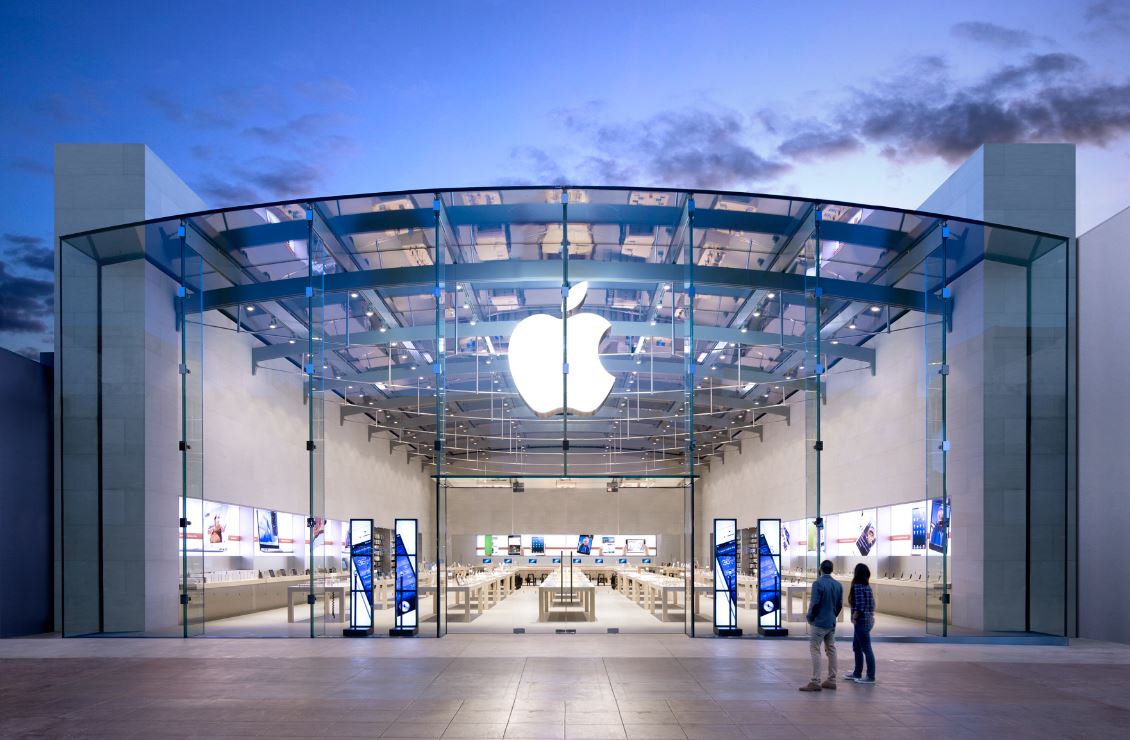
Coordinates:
<point>726,578</point>
<point>360,578</point>
<point>769,578</point>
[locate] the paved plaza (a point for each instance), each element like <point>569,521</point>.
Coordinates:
<point>662,686</point>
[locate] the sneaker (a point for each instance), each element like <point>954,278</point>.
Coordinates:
<point>850,677</point>
<point>811,686</point>
<point>829,684</point>
<point>865,680</point>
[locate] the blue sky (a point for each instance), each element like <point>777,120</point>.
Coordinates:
<point>864,101</point>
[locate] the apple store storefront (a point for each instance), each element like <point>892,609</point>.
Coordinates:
<point>563,410</point>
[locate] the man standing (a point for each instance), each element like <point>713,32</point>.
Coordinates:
<point>823,610</point>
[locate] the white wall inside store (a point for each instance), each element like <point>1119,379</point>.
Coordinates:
<point>255,432</point>
<point>473,511</point>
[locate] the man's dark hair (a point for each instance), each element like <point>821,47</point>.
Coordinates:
<point>826,567</point>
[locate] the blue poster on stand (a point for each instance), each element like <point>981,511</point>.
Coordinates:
<point>360,578</point>
<point>406,619</point>
<point>726,577</point>
<point>769,578</point>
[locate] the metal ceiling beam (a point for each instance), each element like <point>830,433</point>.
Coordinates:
<point>541,273</point>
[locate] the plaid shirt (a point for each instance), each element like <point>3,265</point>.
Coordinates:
<point>862,599</point>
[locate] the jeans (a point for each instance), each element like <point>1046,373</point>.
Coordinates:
<point>827,636</point>
<point>861,645</point>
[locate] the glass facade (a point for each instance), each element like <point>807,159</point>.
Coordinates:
<point>592,338</point>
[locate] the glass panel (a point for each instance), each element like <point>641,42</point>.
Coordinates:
<point>327,588</point>
<point>934,378</point>
<point>196,532</point>
<point>810,387</point>
<point>79,409</point>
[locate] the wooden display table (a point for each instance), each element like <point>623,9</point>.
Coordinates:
<point>558,595</point>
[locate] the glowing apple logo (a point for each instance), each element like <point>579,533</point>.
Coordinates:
<point>535,359</point>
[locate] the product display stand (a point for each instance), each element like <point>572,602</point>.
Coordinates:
<point>361,553</point>
<point>405,602</point>
<point>726,578</point>
<point>769,579</point>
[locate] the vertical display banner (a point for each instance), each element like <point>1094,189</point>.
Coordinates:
<point>726,578</point>
<point>360,578</point>
<point>769,578</point>
<point>406,620</point>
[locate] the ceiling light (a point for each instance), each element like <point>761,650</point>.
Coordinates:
<point>473,322</point>
<point>292,341</point>
<point>383,329</point>
<point>851,325</point>
<point>874,309</point>
<point>369,312</point>
<point>771,296</point>
<point>745,329</point>
<point>250,309</point>
<point>354,295</point>
<point>273,325</point>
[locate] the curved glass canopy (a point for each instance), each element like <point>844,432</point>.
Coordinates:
<point>781,289</point>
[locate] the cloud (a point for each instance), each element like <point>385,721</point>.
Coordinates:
<point>195,117</point>
<point>26,303</point>
<point>991,34</point>
<point>818,140</point>
<point>30,251</point>
<point>295,131</point>
<point>1044,98</point>
<point>685,147</point>
<point>1107,18</point>
<point>34,166</point>
<point>262,179</point>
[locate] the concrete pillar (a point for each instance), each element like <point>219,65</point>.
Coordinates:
<point>117,405</point>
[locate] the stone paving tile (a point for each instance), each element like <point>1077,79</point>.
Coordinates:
<point>630,688</point>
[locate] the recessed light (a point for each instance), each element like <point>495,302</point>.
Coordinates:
<point>354,295</point>
<point>874,309</point>
<point>369,312</point>
<point>851,326</point>
<point>250,309</point>
<point>292,341</point>
<point>771,296</point>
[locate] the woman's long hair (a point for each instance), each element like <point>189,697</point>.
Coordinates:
<point>862,577</point>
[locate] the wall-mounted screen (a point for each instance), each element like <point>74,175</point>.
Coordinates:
<point>622,561</point>
<point>937,525</point>
<point>533,561</point>
<point>556,561</point>
<point>537,545</point>
<point>635,547</point>
<point>576,561</point>
<point>646,561</point>
<point>584,544</point>
<point>514,544</point>
<point>918,528</point>
<point>487,561</point>
<point>267,529</point>
<point>507,561</point>
<point>598,561</point>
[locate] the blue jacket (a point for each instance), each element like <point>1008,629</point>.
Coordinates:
<point>826,603</point>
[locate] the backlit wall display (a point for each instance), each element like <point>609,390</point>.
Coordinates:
<point>725,575</point>
<point>769,575</point>
<point>406,591</point>
<point>214,527</point>
<point>361,574</point>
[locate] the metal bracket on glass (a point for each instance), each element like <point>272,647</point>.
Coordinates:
<point>944,446</point>
<point>184,523</point>
<point>310,522</point>
<point>565,445</point>
<point>310,445</point>
<point>183,446</point>
<point>943,370</point>
<point>184,599</point>
<point>311,599</point>
<point>818,445</point>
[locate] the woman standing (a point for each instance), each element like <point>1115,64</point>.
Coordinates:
<point>862,604</point>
